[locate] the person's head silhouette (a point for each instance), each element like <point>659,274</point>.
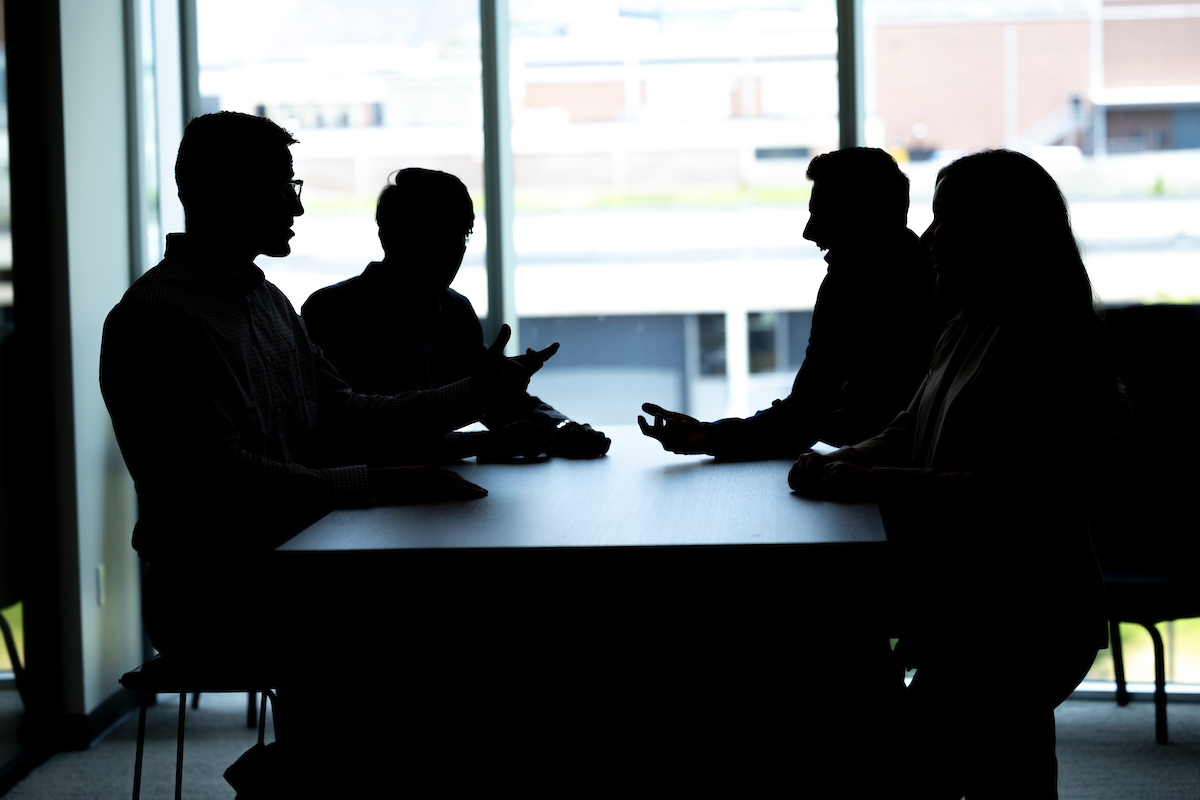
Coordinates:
<point>859,198</point>
<point>235,179</point>
<point>1001,235</point>
<point>425,218</point>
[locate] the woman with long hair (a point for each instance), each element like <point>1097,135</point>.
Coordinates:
<point>983,484</point>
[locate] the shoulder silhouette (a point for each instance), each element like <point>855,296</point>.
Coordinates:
<point>399,326</point>
<point>875,322</point>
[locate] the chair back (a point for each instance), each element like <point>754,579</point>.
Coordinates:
<point>1144,520</point>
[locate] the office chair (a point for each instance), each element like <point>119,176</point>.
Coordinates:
<point>1144,524</point>
<point>167,675</point>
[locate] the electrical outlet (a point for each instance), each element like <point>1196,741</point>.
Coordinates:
<point>100,584</point>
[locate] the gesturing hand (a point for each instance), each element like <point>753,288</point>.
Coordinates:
<point>677,432</point>
<point>420,484</point>
<point>499,374</point>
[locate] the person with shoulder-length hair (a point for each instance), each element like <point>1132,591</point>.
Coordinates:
<point>983,485</point>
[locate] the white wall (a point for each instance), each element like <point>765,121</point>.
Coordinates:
<point>95,139</point>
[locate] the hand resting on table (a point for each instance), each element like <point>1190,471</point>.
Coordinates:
<point>832,477</point>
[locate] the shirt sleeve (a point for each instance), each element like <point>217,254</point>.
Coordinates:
<point>781,431</point>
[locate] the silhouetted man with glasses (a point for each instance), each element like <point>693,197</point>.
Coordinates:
<point>236,429</point>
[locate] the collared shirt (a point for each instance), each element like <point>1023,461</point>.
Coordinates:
<point>230,420</point>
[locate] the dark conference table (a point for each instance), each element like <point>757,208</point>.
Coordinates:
<point>687,602</point>
<point>636,496</point>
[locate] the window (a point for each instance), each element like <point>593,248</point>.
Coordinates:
<point>367,87</point>
<point>1106,95</point>
<point>659,151</point>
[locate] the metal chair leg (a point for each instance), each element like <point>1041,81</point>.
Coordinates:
<point>195,700</point>
<point>179,748</point>
<point>141,741</point>
<point>1114,646</point>
<point>252,710</point>
<point>262,720</point>
<point>267,693</point>
<point>1160,686</point>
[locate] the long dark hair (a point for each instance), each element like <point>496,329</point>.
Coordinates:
<point>1025,254</point>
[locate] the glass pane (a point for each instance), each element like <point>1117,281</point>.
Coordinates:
<point>367,87</point>
<point>659,150</point>
<point>1104,95</point>
<point>151,223</point>
<point>763,345</point>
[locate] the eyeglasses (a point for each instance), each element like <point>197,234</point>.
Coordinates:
<point>296,187</point>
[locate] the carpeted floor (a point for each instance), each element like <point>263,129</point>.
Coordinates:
<point>1104,753</point>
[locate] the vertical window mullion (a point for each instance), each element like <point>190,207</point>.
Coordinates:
<point>497,170</point>
<point>189,59</point>
<point>851,116</point>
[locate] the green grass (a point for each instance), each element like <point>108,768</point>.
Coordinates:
<point>532,202</point>
<point>749,197</point>
<point>341,204</point>
<point>1187,300</point>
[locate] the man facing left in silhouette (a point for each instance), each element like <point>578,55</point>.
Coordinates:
<point>399,326</point>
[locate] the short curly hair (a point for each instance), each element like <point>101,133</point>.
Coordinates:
<point>868,176</point>
<point>219,148</point>
<point>418,200</point>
